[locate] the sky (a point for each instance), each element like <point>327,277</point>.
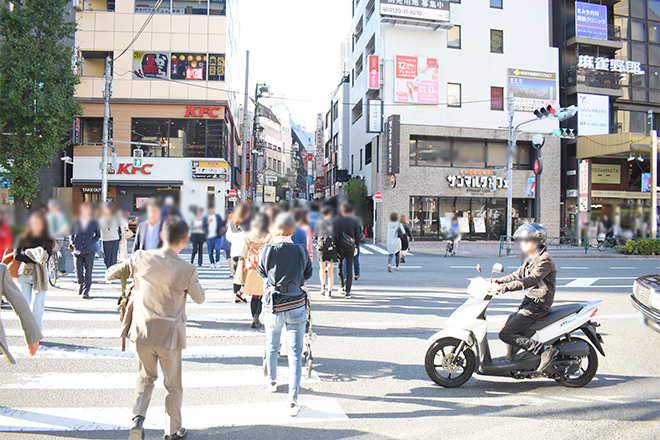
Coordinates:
<point>294,48</point>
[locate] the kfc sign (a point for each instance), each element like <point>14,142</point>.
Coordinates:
<point>129,168</point>
<point>196,111</point>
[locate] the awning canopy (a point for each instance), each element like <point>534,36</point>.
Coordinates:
<point>611,144</point>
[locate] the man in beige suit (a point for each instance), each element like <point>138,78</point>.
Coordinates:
<point>161,280</point>
<point>22,309</point>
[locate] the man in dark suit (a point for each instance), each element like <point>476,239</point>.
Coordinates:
<point>214,229</point>
<point>84,236</point>
<point>147,237</point>
<point>347,234</point>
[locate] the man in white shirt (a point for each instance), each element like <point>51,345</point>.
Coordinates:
<point>148,233</point>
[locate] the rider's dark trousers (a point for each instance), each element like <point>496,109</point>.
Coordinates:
<point>528,312</point>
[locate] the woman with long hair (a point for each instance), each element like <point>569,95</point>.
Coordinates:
<point>33,249</point>
<point>406,238</point>
<point>239,224</point>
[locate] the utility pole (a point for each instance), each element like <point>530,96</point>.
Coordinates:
<point>246,129</point>
<point>106,134</point>
<point>654,183</point>
<point>512,152</point>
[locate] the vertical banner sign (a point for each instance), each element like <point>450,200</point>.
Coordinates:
<point>591,20</point>
<point>416,80</point>
<point>584,191</point>
<point>374,72</point>
<point>393,143</point>
<point>594,114</point>
<point>374,116</point>
<point>531,186</point>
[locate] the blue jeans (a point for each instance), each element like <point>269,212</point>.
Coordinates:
<point>37,306</point>
<point>211,244</point>
<point>356,263</point>
<point>295,321</point>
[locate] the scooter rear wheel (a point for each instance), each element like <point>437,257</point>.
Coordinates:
<point>585,373</point>
<point>445,366</point>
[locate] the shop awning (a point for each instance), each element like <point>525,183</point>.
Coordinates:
<point>609,144</point>
<point>129,182</point>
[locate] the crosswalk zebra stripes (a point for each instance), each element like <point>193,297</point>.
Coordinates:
<point>80,358</point>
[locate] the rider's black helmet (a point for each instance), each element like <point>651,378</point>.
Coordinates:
<point>532,231</point>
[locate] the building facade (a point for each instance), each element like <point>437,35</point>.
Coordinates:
<point>170,102</point>
<point>429,87</point>
<point>336,153</point>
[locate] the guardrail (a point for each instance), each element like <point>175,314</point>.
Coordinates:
<point>555,242</point>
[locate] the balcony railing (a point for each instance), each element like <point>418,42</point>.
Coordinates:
<point>597,79</point>
<point>613,31</point>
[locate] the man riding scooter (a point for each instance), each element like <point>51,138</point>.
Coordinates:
<point>538,274</point>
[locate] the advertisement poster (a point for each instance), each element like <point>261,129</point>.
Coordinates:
<point>216,67</point>
<point>479,225</point>
<point>531,187</point>
<point>269,194</point>
<point>464,224</point>
<point>606,173</point>
<point>584,185</point>
<point>416,80</point>
<point>646,182</point>
<point>591,20</point>
<point>594,114</point>
<point>420,10</point>
<point>532,89</point>
<point>374,72</point>
<point>189,66</point>
<point>260,193</point>
<point>150,65</point>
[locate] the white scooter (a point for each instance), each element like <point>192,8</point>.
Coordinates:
<point>462,347</point>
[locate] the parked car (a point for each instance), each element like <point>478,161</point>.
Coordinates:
<point>646,300</point>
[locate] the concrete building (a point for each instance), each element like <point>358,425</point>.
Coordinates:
<point>440,73</point>
<point>610,69</point>
<point>169,91</point>
<point>337,126</point>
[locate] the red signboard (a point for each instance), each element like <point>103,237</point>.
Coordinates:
<point>195,111</point>
<point>319,184</point>
<point>310,157</point>
<point>233,193</point>
<point>128,168</point>
<point>378,195</point>
<point>374,72</point>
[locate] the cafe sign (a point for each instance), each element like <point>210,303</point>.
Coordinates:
<point>477,181</point>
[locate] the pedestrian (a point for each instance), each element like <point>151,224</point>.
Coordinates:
<point>112,233</point>
<point>393,241</point>
<point>285,268</point>
<point>147,237</point>
<point>454,234</point>
<point>358,242</point>
<point>324,233</point>
<point>197,238</point>
<point>169,209</point>
<point>225,246</point>
<point>239,224</point>
<point>406,238</point>
<point>347,233</point>
<point>247,274</point>
<point>299,236</point>
<point>608,226</point>
<point>213,226</point>
<point>122,216</point>
<point>162,282</point>
<point>302,222</point>
<point>33,249</point>
<point>59,229</point>
<point>21,307</point>
<point>86,234</point>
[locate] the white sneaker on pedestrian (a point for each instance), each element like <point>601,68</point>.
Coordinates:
<point>389,268</point>
<point>272,387</point>
<point>294,408</point>
<point>396,268</point>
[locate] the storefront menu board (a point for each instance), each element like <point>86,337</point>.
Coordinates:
<point>188,66</point>
<point>479,225</point>
<point>209,170</point>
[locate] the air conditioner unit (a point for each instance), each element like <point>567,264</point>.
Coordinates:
<point>78,5</point>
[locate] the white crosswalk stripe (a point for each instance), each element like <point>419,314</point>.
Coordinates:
<point>376,248</point>
<point>85,334</point>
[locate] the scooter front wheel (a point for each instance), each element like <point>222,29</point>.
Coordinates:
<point>448,367</point>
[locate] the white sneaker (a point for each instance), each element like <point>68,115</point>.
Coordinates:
<point>294,408</point>
<point>397,269</point>
<point>389,268</point>
<point>272,387</point>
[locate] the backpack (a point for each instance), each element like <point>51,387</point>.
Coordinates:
<point>252,259</point>
<point>324,244</point>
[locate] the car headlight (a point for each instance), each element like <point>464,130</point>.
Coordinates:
<point>655,299</point>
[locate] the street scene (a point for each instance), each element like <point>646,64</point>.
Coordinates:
<point>358,219</point>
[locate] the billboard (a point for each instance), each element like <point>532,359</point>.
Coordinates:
<point>210,170</point>
<point>416,80</point>
<point>374,72</point>
<point>269,194</point>
<point>150,65</point>
<point>190,66</point>
<point>420,10</point>
<point>590,20</point>
<point>594,114</point>
<point>532,89</point>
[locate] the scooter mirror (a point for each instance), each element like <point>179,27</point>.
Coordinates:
<point>498,268</point>
<point>479,268</point>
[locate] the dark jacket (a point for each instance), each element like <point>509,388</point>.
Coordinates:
<point>539,275</point>
<point>141,233</point>
<point>219,223</point>
<point>347,225</point>
<point>285,264</point>
<point>29,243</point>
<point>83,241</point>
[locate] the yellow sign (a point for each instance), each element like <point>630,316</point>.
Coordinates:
<point>606,173</point>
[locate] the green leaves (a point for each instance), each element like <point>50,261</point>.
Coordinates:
<point>356,190</point>
<point>641,246</point>
<point>37,89</point>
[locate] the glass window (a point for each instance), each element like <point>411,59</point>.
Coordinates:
<point>497,98</point>
<point>153,131</point>
<point>621,8</point>
<point>640,95</point>
<point>434,152</point>
<point>453,95</point>
<point>216,67</point>
<point>216,138</point>
<point>188,66</point>
<point>190,7</point>
<point>470,152</point>
<point>654,96</point>
<point>622,22</point>
<point>654,32</point>
<point>654,10</point>
<point>413,152</point>
<point>654,55</point>
<point>639,80</point>
<point>496,41</point>
<point>146,6</point>
<point>92,130</point>
<point>367,154</point>
<point>217,7</point>
<point>454,37</point>
<point>524,155</point>
<point>496,4</point>
<point>638,8</point>
<point>497,154</point>
<point>454,1</point>
<point>654,78</point>
<point>639,52</point>
<point>638,30</point>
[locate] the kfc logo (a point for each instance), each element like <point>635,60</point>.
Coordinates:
<point>196,111</point>
<point>127,168</point>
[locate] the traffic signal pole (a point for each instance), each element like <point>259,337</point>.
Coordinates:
<point>246,130</point>
<point>106,132</point>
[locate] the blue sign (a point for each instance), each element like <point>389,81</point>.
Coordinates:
<point>591,20</point>
<point>309,180</point>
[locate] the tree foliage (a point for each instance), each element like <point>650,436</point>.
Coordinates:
<point>37,86</point>
<point>356,191</point>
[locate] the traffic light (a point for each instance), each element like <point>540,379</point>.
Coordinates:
<point>545,112</point>
<point>565,133</point>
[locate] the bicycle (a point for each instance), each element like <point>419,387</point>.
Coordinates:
<point>449,250</point>
<point>606,243</point>
<point>54,268</point>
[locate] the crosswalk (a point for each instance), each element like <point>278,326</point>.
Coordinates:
<point>81,380</point>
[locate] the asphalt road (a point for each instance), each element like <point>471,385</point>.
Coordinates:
<point>369,380</point>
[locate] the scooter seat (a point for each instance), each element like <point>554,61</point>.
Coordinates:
<point>556,313</point>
